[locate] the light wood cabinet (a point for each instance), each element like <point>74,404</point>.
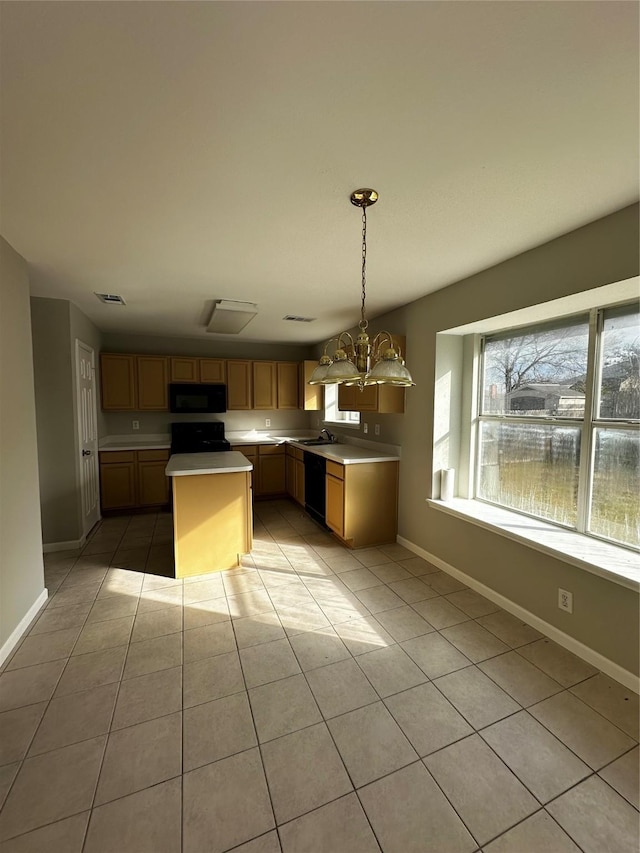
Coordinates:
<point>118,382</point>
<point>212,370</point>
<point>290,474</point>
<point>239,385</point>
<point>310,396</point>
<point>362,502</point>
<point>153,485</point>
<point>287,382</point>
<point>153,379</point>
<point>184,369</point>
<point>382,399</point>
<point>265,385</point>
<point>271,470</point>
<point>130,479</point>
<point>334,511</point>
<point>299,492</point>
<point>118,480</point>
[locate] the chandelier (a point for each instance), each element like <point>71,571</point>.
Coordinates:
<point>362,362</point>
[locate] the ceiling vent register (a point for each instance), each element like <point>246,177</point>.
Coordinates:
<point>111,299</point>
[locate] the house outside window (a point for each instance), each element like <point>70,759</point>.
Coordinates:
<point>558,422</point>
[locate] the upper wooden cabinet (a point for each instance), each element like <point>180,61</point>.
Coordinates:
<point>198,369</point>
<point>239,385</point>
<point>287,381</point>
<point>310,396</point>
<point>184,370</point>
<point>153,377</point>
<point>118,382</point>
<point>265,387</point>
<point>212,370</point>
<point>383,399</point>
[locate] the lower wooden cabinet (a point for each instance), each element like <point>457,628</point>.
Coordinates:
<point>295,473</point>
<point>118,481</point>
<point>133,478</point>
<point>362,502</point>
<point>269,468</point>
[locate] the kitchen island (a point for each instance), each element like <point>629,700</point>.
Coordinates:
<point>212,516</point>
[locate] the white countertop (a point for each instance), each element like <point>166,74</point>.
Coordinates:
<point>135,442</point>
<point>346,454</point>
<point>343,453</point>
<point>227,462</point>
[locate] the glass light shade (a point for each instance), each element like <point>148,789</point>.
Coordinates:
<point>342,369</point>
<point>319,375</point>
<point>390,371</point>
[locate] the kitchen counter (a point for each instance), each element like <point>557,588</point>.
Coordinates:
<point>212,515</point>
<point>346,454</point>
<point>134,442</point>
<point>227,462</point>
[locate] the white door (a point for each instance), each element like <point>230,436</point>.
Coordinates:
<point>87,434</point>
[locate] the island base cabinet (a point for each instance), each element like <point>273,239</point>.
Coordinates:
<point>212,522</point>
<point>362,503</point>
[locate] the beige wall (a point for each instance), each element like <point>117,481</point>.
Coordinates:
<point>56,323</point>
<point>21,567</point>
<point>605,614</point>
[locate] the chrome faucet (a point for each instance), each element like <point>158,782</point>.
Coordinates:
<point>330,435</point>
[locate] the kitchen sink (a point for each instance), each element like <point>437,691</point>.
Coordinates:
<point>313,442</point>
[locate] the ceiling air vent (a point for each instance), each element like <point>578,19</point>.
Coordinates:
<point>295,319</point>
<point>111,299</point>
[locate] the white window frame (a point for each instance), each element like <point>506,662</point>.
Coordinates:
<point>588,424</point>
<point>455,425</point>
<point>332,415</point>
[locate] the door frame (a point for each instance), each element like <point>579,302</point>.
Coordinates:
<point>78,432</point>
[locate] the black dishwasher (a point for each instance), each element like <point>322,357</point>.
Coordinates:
<point>314,485</point>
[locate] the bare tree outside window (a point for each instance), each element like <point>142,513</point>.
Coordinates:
<point>534,426</point>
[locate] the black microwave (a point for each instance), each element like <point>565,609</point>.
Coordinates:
<point>195,398</point>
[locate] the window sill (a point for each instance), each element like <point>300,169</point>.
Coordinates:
<point>342,424</point>
<point>600,558</point>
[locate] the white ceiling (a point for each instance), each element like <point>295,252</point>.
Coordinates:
<point>176,153</point>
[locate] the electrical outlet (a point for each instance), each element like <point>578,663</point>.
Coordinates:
<point>376,429</point>
<point>135,424</point>
<point>365,428</point>
<point>565,600</point>
<point>267,421</point>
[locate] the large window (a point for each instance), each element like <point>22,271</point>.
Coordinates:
<point>559,420</point>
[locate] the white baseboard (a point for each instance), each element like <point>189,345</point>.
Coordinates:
<point>22,626</point>
<point>72,544</point>
<point>614,670</point>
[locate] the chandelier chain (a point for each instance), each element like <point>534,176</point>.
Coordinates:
<point>363,321</point>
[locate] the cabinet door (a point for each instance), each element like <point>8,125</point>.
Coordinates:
<point>265,394</point>
<point>299,493</point>
<point>153,383</point>
<point>291,475</point>
<point>310,396</point>
<point>184,370</point>
<point>118,485</point>
<point>153,485</point>
<point>239,385</point>
<point>212,370</point>
<point>287,372</point>
<point>334,513</point>
<point>118,382</point>
<point>367,399</point>
<point>272,474</point>
<point>347,398</point>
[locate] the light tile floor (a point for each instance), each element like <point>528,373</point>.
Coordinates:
<point>315,700</point>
